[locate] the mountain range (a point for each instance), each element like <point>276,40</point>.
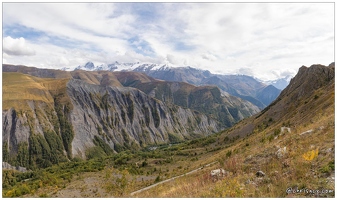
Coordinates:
<point>242,86</point>
<point>51,116</point>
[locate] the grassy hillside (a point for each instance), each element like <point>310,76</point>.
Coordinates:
<point>17,88</point>
<point>37,72</point>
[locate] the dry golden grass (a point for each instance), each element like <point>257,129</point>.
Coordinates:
<point>290,170</point>
<point>19,88</point>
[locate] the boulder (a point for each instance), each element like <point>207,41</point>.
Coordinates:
<point>260,174</point>
<point>281,152</point>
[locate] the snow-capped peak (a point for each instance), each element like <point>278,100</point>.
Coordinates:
<point>89,66</point>
<point>117,66</point>
<point>280,83</point>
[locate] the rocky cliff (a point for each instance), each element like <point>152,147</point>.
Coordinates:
<point>127,117</point>
<point>46,121</point>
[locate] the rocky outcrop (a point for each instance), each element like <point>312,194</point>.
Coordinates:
<point>128,117</point>
<point>308,79</point>
<point>6,165</point>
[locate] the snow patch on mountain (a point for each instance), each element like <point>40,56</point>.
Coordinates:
<point>280,83</point>
<point>117,66</point>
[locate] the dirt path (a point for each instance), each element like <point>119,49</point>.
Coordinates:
<point>170,179</point>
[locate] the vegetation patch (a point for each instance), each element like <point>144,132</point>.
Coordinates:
<point>66,129</point>
<point>174,138</point>
<point>103,145</point>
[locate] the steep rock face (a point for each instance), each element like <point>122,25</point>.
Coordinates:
<point>13,129</point>
<point>36,136</point>
<point>128,117</point>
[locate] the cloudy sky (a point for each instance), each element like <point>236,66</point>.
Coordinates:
<point>266,40</point>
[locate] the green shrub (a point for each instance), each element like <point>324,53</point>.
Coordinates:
<point>66,128</point>
<point>23,155</point>
<point>329,167</point>
<point>277,131</point>
<point>5,152</point>
<point>173,138</point>
<point>157,179</point>
<point>119,148</point>
<point>228,154</point>
<point>100,143</point>
<point>95,152</point>
<point>208,141</point>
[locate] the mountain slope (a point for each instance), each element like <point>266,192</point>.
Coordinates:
<point>287,150</point>
<point>306,91</point>
<point>267,94</point>
<point>307,86</point>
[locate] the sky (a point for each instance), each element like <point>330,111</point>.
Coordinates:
<point>264,40</point>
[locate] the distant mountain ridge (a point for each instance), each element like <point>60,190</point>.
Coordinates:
<point>242,86</point>
<point>117,66</point>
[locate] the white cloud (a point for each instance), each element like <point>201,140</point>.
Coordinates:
<point>246,71</point>
<point>221,37</point>
<point>208,56</point>
<point>17,47</point>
